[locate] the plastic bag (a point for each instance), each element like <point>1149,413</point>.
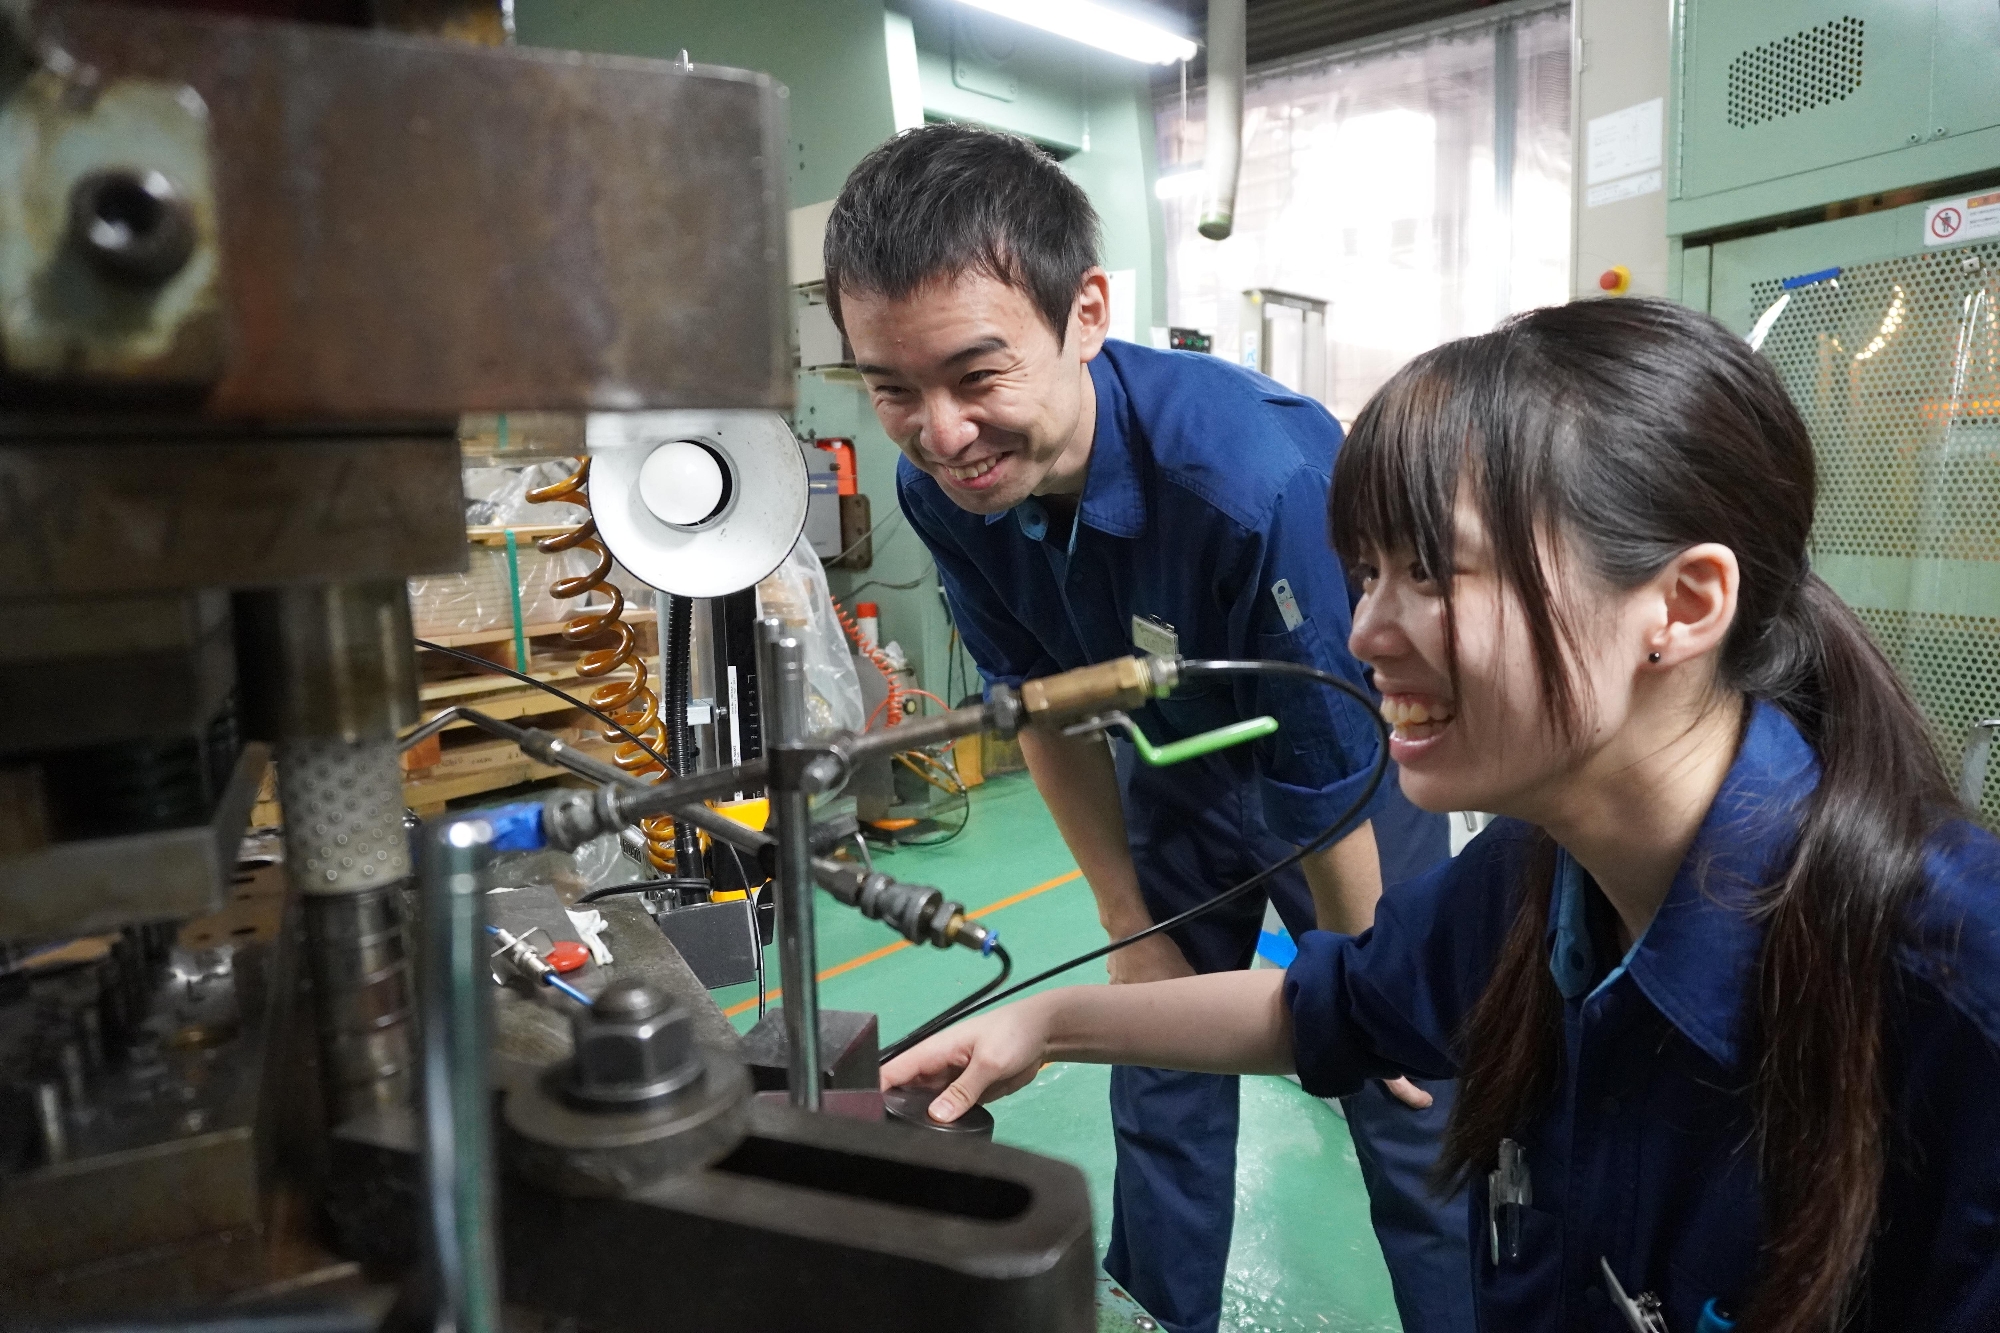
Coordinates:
<point>796,593</point>
<point>498,496</point>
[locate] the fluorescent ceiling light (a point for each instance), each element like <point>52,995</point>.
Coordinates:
<point>1178,184</point>
<point>1096,25</point>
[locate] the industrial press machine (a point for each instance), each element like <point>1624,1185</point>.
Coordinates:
<point>252,272</point>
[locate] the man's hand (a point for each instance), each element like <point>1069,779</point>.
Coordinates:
<point>1156,958</point>
<point>1408,1093</point>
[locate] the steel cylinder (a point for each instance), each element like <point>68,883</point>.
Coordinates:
<point>329,673</point>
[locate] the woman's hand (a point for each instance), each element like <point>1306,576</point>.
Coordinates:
<point>980,1060</point>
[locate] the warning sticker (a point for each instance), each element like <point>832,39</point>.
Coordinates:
<point>1969,219</point>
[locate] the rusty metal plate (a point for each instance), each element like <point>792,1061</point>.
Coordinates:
<point>107,308</point>
<point>412,227</point>
<point>96,519</point>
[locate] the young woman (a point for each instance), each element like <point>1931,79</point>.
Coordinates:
<point>1723,987</point>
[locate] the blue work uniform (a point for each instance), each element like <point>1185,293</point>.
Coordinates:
<point>1647,1157</point>
<point>1204,513</point>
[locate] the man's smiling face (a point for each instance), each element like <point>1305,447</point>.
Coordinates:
<point>969,380</point>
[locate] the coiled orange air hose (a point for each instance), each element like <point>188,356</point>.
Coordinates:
<point>631,699</point>
<point>894,702</point>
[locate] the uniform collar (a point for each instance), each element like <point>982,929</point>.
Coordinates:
<point>1113,501</point>
<point>1696,961</point>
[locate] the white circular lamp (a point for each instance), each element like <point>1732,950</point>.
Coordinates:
<point>698,504</point>
<point>683,483</point>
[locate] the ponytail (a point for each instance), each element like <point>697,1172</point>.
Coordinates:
<point>1636,429</point>
<point>1832,924</point>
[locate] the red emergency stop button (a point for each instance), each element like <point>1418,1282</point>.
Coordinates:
<point>1616,280</point>
<point>566,956</point>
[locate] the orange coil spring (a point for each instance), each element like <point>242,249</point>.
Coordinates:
<point>630,700</point>
<point>894,702</point>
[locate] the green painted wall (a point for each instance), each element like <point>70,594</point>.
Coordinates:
<point>833,56</point>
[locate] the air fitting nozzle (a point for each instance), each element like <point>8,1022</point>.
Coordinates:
<point>1125,682</point>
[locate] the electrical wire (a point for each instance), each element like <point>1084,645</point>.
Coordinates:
<point>976,1000</point>
<point>866,533</point>
<point>904,586</point>
<point>1326,837</point>
<point>472,659</point>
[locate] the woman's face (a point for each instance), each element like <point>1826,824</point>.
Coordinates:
<point>1489,743</point>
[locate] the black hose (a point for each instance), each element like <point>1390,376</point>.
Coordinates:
<point>1326,837</point>
<point>956,1011</point>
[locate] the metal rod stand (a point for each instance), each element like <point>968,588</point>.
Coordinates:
<point>782,677</point>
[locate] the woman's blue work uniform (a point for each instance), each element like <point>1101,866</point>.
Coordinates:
<point>1647,1158</point>
<point>1204,514</point>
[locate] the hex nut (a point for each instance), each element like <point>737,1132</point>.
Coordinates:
<point>634,1046</point>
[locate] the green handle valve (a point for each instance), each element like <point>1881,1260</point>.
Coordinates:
<point>1175,752</point>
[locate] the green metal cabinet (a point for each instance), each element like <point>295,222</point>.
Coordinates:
<point>1895,365</point>
<point>1781,87</point>
<point>1965,81</point>
<point>1784,105</point>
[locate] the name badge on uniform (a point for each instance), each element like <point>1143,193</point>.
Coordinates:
<point>1155,636</point>
<point>1288,605</point>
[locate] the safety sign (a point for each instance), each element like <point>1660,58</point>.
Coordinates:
<point>1950,221</point>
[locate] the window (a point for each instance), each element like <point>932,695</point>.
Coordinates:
<point>1371,182</point>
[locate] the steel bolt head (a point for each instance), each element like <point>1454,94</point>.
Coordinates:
<point>633,1045</point>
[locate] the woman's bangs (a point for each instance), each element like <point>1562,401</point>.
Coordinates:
<point>1396,480</point>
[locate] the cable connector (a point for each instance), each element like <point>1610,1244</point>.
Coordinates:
<point>1124,682</point>
<point>917,912</point>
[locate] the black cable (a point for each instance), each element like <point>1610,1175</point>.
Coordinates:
<point>641,886</point>
<point>1327,836</point>
<point>956,1011</point>
<point>852,593</point>
<point>574,702</point>
<point>964,818</point>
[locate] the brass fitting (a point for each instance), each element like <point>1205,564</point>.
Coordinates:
<point>1125,682</point>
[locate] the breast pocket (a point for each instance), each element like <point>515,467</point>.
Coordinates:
<point>1316,722</point>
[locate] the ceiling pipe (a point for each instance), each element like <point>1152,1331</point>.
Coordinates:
<point>1222,155</point>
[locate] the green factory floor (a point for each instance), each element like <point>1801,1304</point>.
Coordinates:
<point>1304,1255</point>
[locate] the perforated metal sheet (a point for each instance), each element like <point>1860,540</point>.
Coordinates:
<point>1896,368</point>
<point>1813,68</point>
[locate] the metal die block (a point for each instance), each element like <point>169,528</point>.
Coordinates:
<point>716,939</point>
<point>85,518</point>
<point>413,228</point>
<point>171,1143</point>
<point>150,666</point>
<point>849,1046</point>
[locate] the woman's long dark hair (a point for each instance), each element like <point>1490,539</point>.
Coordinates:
<point>1634,429</point>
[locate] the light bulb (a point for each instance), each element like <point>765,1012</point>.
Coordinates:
<point>681,482</point>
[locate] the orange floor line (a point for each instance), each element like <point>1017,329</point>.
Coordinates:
<point>838,968</point>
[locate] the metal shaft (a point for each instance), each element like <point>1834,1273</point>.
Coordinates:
<point>783,680</point>
<point>463,1277</point>
<point>330,675</point>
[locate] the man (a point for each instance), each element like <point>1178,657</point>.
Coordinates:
<point>1086,499</point>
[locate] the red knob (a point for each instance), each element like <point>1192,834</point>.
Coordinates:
<point>1616,280</point>
<point>566,956</point>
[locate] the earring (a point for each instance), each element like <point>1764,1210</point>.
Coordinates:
<point>1652,657</point>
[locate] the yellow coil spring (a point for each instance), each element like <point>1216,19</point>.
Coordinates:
<point>630,700</point>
